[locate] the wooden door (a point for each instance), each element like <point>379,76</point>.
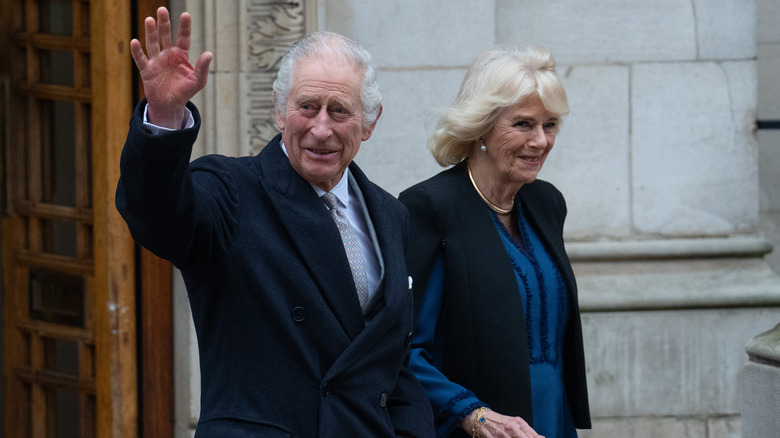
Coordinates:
<point>68,260</point>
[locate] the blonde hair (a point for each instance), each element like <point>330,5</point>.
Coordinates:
<point>498,77</point>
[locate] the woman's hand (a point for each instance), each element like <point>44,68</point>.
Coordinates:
<point>170,81</point>
<point>498,426</point>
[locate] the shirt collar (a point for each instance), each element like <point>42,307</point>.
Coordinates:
<point>341,189</point>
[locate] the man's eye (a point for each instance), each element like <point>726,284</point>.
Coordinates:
<point>339,113</point>
<point>307,108</point>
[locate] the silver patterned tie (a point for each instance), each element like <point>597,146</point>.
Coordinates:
<point>352,247</point>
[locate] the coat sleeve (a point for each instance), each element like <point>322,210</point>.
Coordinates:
<point>180,213</point>
<point>408,405</point>
<point>450,401</point>
<point>409,408</point>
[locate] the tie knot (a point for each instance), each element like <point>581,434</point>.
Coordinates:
<point>330,200</point>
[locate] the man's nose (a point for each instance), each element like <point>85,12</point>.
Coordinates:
<point>322,128</point>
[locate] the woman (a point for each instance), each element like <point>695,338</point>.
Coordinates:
<point>498,343</point>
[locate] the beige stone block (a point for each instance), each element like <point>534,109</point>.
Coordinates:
<point>724,427</point>
<point>770,228</point>
<point>418,34</point>
<point>726,29</point>
<point>769,170</point>
<point>768,66</point>
<point>761,398</point>
<point>669,363</point>
<point>693,155</point>
<point>768,16</point>
<point>602,31</point>
<point>761,386</point>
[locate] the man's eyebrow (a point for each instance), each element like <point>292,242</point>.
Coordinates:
<point>306,98</point>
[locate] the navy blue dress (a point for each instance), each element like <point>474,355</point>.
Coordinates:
<point>544,298</point>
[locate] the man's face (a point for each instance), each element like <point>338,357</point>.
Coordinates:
<point>322,125</point>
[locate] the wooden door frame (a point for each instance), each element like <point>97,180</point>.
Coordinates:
<point>137,285</point>
<point>115,283</point>
<point>153,415</point>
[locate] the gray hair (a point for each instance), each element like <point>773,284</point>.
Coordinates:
<point>498,77</point>
<point>321,44</point>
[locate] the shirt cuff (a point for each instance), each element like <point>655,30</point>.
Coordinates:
<point>156,129</point>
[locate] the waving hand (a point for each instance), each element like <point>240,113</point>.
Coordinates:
<point>169,79</point>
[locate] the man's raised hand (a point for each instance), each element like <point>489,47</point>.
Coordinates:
<point>169,79</point>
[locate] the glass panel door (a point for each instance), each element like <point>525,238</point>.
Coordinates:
<point>48,231</point>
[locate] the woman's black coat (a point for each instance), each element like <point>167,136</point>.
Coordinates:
<point>486,349</point>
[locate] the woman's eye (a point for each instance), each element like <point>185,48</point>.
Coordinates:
<point>550,127</point>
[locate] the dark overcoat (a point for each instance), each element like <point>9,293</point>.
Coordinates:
<point>482,322</point>
<point>284,347</point>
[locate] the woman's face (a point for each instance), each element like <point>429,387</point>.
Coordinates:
<point>520,140</point>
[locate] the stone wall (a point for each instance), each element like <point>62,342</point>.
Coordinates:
<point>659,163</point>
<point>761,386</point>
<point>761,374</point>
<point>768,62</point>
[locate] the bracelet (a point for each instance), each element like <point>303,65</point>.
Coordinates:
<point>478,421</point>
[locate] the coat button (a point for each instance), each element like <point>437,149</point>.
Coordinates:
<point>298,314</point>
<point>409,337</point>
<point>383,400</point>
<point>325,389</point>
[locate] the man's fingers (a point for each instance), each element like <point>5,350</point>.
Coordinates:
<point>202,64</point>
<point>164,28</point>
<point>183,36</point>
<point>202,68</point>
<point>152,43</point>
<point>138,54</point>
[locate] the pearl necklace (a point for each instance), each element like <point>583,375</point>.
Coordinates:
<point>492,206</point>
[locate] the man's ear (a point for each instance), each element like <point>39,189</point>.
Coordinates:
<point>368,130</point>
<point>279,120</point>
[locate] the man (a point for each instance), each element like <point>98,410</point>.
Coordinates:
<point>293,340</point>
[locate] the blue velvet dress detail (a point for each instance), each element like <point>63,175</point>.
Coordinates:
<point>546,314</point>
<point>545,301</point>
